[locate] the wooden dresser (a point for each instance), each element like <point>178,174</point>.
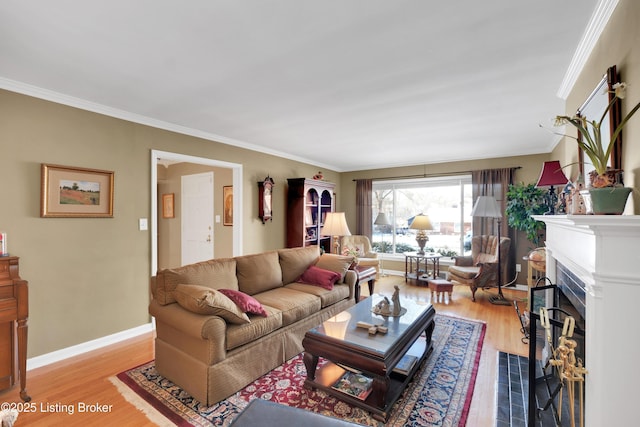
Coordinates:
<point>14,311</point>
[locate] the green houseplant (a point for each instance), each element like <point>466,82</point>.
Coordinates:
<point>524,201</point>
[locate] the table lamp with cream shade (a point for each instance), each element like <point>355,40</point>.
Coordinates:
<point>422,223</point>
<point>335,225</point>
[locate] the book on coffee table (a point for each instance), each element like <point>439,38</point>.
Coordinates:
<point>353,384</point>
<point>405,364</point>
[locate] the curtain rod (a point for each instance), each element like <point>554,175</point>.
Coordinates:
<point>431,175</point>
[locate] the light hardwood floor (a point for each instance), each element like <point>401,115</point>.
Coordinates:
<point>83,380</point>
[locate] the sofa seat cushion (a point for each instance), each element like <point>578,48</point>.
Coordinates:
<point>327,297</point>
<point>464,271</point>
<point>215,274</point>
<point>260,326</point>
<point>295,261</point>
<point>258,272</point>
<point>294,305</point>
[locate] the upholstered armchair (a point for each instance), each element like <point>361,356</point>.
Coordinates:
<point>365,254</point>
<point>480,270</point>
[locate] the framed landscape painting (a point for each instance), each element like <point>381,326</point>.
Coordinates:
<point>68,191</point>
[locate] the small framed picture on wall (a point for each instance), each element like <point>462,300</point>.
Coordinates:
<point>227,198</point>
<point>168,205</point>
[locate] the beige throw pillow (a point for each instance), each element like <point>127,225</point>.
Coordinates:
<point>338,263</point>
<point>203,300</point>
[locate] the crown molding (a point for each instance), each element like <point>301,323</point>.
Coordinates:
<point>59,98</point>
<point>592,33</point>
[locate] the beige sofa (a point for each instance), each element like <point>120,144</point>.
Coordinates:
<point>210,357</point>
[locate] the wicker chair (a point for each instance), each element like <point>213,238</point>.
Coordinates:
<point>480,270</point>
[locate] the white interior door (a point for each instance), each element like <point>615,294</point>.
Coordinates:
<point>197,217</point>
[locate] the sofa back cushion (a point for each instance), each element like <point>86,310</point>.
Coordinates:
<point>259,272</point>
<point>215,274</point>
<point>295,261</point>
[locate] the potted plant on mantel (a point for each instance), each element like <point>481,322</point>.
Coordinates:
<point>607,195</point>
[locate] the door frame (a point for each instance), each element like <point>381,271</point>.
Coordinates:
<point>236,169</point>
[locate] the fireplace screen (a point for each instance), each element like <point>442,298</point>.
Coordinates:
<point>556,360</point>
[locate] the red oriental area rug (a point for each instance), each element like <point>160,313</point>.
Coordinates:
<point>439,395</point>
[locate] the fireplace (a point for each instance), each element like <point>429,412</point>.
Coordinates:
<point>572,298</point>
<point>596,259</point>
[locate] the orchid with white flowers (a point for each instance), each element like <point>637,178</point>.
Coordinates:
<point>591,142</point>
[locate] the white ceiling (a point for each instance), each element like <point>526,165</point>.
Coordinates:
<point>342,84</point>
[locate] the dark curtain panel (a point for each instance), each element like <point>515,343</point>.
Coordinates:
<point>495,182</point>
<point>363,207</point>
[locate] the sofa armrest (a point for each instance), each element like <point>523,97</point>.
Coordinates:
<point>371,255</point>
<point>195,325</point>
<point>350,279</point>
<point>488,275</point>
<point>465,261</point>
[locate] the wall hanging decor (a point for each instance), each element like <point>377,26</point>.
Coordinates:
<point>168,205</point>
<point>265,189</point>
<point>68,191</point>
<point>227,198</point>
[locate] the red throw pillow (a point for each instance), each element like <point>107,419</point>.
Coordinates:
<point>319,277</point>
<point>246,303</point>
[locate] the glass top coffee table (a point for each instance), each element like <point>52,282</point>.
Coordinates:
<point>350,348</point>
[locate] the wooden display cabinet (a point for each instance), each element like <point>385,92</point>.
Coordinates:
<point>308,201</point>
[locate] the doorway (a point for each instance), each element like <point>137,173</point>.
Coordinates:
<point>159,157</point>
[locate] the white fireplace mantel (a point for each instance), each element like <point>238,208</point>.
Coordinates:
<point>604,252</point>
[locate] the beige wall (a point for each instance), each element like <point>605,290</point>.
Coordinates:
<point>617,46</point>
<point>88,277</point>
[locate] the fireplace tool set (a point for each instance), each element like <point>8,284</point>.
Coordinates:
<point>567,368</point>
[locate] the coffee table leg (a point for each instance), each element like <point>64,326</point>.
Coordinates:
<point>310,363</point>
<point>379,391</point>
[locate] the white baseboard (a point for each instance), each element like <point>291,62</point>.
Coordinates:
<point>65,353</point>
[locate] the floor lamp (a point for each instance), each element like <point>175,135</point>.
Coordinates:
<point>382,220</point>
<point>487,207</point>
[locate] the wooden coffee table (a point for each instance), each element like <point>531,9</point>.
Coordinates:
<point>344,345</point>
<point>367,274</point>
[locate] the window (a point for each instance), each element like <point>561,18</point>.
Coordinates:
<point>446,200</point>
